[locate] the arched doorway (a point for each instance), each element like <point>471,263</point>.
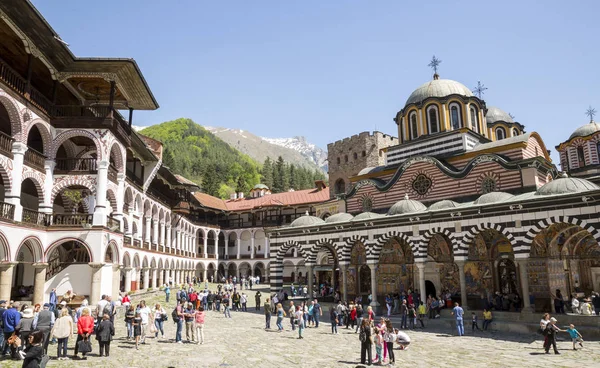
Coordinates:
<point>359,274</point>
<point>68,268</point>
<point>430,288</point>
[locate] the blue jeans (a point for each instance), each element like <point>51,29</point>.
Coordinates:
<point>459,326</point>
<point>62,347</point>
<point>159,327</point>
<point>179,329</point>
<point>403,323</point>
<point>129,329</point>
<point>167,295</point>
<point>218,307</point>
<point>333,327</point>
<point>267,320</point>
<point>316,320</point>
<point>359,322</point>
<point>227,312</point>
<point>279,324</point>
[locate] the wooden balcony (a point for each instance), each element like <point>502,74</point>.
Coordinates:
<point>36,218</point>
<point>34,159</point>
<point>88,117</point>
<point>137,243</point>
<point>72,220</point>
<point>112,173</point>
<point>7,211</point>
<point>6,142</point>
<point>127,240</point>
<point>75,166</point>
<point>19,84</point>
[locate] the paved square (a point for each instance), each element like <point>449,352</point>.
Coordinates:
<point>242,342</point>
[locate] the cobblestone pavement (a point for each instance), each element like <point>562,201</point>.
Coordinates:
<point>242,342</point>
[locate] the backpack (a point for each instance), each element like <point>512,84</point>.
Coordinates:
<point>362,336</point>
<point>175,315</point>
<point>108,309</point>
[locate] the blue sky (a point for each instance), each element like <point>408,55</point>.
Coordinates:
<point>330,69</point>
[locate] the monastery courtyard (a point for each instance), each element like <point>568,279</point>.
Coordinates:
<point>242,342</point>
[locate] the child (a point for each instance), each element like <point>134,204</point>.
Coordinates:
<point>137,329</point>
<point>474,322</point>
<point>378,346</point>
<point>422,311</point>
<point>575,336</point>
<point>105,333</point>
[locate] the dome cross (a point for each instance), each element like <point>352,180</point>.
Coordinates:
<point>433,64</point>
<point>590,112</point>
<point>480,89</point>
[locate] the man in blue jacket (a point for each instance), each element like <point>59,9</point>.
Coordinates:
<point>10,319</point>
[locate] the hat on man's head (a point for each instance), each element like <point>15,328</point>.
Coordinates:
<point>2,302</point>
<point>46,305</point>
<point>553,319</point>
<point>28,313</point>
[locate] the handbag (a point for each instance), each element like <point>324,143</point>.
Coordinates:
<point>152,328</point>
<point>44,361</point>
<point>165,317</point>
<point>84,346</point>
<point>14,340</point>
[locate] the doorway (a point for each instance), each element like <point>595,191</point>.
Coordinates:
<point>430,289</point>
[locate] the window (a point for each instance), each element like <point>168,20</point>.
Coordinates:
<point>367,203</point>
<point>259,247</point>
<point>339,161</point>
<point>475,119</point>
<point>414,131</point>
<point>421,184</point>
<point>340,186</point>
<point>580,156</point>
<point>432,119</point>
<point>364,153</point>
<point>248,248</point>
<point>500,134</point>
<point>598,148</point>
<point>455,116</point>
<point>355,155</point>
<point>488,185</point>
<point>346,158</point>
<point>515,132</point>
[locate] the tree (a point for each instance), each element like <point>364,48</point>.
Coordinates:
<point>210,182</point>
<point>278,175</point>
<point>267,173</point>
<point>242,186</point>
<point>293,173</point>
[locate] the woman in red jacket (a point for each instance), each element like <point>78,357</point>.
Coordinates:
<point>85,328</point>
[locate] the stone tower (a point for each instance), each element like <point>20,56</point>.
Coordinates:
<point>347,157</point>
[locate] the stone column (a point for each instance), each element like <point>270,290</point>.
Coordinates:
<point>252,247</point>
<point>374,303</point>
<point>463,283</point>
<point>39,280</point>
<point>116,280</point>
<point>226,236</point>
<point>127,271</point>
<point>6,277</point>
<point>205,274</point>
<point>296,268</point>
<point>267,248</point>
<point>421,267</point>
<point>96,282</point>
<point>523,273</point>
<point>147,229</point>
<point>118,212</point>
<point>309,269</point>
<point>14,197</point>
<point>215,275</point>
<point>146,274</point>
<point>101,186</point>
<point>168,236</point>
<point>162,233</point>
<point>48,184</point>
<point>205,245</point>
<point>238,242</point>
<point>155,235</point>
<point>161,278</point>
<point>344,269</point>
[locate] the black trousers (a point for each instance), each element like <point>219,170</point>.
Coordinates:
<point>365,349</point>
<point>104,348</point>
<point>390,349</point>
<point>550,341</point>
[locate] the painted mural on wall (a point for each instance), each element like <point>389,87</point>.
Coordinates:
<point>359,279</point>
<point>449,277</point>
<point>478,277</point>
<point>440,249</point>
<point>395,272</point>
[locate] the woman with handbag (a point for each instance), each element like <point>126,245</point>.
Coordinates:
<point>35,357</point>
<point>104,334</point>
<point>62,330</point>
<point>159,317</point>
<point>85,327</point>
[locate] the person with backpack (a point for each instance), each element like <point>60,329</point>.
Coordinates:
<point>177,316</point>
<point>389,336</point>
<point>257,300</point>
<point>104,334</point>
<point>366,341</point>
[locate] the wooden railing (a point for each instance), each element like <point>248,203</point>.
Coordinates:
<point>78,111</point>
<point>7,211</point>
<point>113,223</point>
<point>67,165</point>
<point>127,240</point>
<point>36,218</point>
<point>69,219</point>
<point>6,142</point>
<point>9,76</point>
<point>35,159</point>
<point>112,173</point>
<point>137,242</point>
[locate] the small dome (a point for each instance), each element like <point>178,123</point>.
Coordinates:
<point>405,206</point>
<point>260,186</point>
<point>438,88</point>
<point>443,204</point>
<point>493,197</point>
<point>585,130</point>
<point>366,216</point>
<point>339,217</point>
<point>495,114</point>
<point>566,185</point>
<point>307,220</point>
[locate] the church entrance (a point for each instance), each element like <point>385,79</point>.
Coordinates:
<point>430,288</point>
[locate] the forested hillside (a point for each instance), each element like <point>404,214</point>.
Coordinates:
<point>197,154</point>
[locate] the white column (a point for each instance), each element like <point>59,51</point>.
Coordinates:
<point>155,235</point>
<point>116,280</point>
<point>524,275</point>
<point>178,240</point>
<point>147,229</point>
<point>238,241</point>
<point>162,233</point>
<point>118,212</point>
<point>226,237</point>
<point>252,246</point>
<point>14,198</point>
<point>96,282</point>
<point>267,247</point>
<point>374,303</point>
<point>421,267</point>
<point>39,280</point>
<point>168,236</point>
<point>421,123</point>
<point>48,185</point>
<point>205,245</point>
<point>146,275</point>
<point>127,271</point>
<point>100,209</point>
<point>463,283</point>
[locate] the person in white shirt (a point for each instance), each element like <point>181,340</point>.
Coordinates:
<point>244,301</point>
<point>144,312</point>
<point>100,308</point>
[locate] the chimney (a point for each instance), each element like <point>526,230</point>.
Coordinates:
<point>320,185</point>
<point>233,196</point>
<point>241,195</point>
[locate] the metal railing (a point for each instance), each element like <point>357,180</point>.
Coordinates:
<point>7,211</point>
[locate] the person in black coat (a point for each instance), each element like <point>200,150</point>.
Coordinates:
<point>33,358</point>
<point>104,334</point>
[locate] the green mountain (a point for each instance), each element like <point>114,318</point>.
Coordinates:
<point>192,151</point>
